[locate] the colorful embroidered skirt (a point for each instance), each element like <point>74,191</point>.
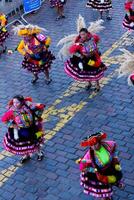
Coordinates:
<point>35,66</point>
<point>93,187</point>
<point>129,23</point>
<point>57,3</point>
<point>24,145</point>
<point>89,73</point>
<point>3,36</point>
<point>97,5</point>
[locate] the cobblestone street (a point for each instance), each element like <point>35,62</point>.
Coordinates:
<point>70,111</point>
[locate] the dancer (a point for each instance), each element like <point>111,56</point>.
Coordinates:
<point>128,21</point>
<point>25,133</point>
<point>59,5</point>
<point>34,48</point>
<point>127,66</point>
<point>100,168</point>
<point>101,6</point>
<point>3,32</point>
<point>85,63</point>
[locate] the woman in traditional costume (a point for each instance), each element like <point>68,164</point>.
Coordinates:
<point>85,63</point>
<point>128,21</point>
<point>100,167</point>
<point>3,32</point>
<point>35,48</point>
<point>59,5</point>
<point>25,133</point>
<point>101,6</point>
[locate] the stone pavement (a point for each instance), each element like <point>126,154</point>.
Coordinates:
<point>71,112</point>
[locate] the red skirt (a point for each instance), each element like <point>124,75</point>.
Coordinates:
<point>23,145</point>
<point>128,22</point>
<point>34,66</point>
<point>89,73</point>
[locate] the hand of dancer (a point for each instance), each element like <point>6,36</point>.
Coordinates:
<point>16,136</point>
<point>118,167</point>
<point>121,185</point>
<point>78,161</point>
<point>80,65</point>
<point>27,55</point>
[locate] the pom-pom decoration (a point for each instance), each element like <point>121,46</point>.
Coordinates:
<point>9,115</point>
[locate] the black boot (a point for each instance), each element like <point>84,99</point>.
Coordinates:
<point>34,79</point>
<point>4,49</point>
<point>97,89</point>
<point>40,156</point>
<point>48,81</point>
<point>88,86</point>
<point>25,159</point>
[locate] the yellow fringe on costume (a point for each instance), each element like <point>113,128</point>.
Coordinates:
<point>48,41</point>
<point>39,134</point>
<point>3,29</point>
<point>3,20</point>
<point>91,62</point>
<point>26,31</point>
<point>23,32</point>
<point>21,48</point>
<point>111,179</point>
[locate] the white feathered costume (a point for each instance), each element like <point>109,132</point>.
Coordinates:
<point>84,62</point>
<point>127,67</point>
<point>67,41</point>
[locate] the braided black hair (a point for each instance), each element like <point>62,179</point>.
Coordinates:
<point>20,98</point>
<point>83,30</point>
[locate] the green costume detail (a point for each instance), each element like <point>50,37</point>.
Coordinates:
<point>103,155</point>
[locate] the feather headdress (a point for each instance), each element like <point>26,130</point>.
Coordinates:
<point>22,30</point>
<point>67,41</point>
<point>96,27</point>
<point>80,22</point>
<point>127,67</point>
